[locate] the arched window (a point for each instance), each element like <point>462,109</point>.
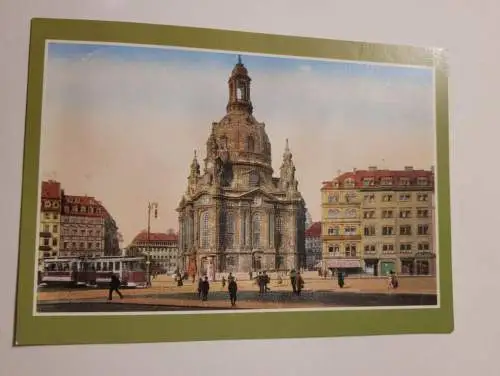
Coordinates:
<point>350,213</point>
<point>253,179</point>
<point>229,229</point>
<point>204,230</point>
<point>333,231</point>
<point>250,144</point>
<point>333,213</point>
<point>279,231</point>
<point>256,231</point>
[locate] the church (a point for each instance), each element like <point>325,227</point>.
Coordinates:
<point>235,216</point>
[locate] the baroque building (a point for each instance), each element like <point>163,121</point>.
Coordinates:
<point>235,216</point>
<point>50,219</point>
<point>375,221</point>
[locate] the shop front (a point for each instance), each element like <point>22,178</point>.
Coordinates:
<point>425,263</point>
<point>387,266</point>
<point>348,266</point>
<point>371,267</point>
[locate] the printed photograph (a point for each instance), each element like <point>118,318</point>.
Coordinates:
<point>183,180</point>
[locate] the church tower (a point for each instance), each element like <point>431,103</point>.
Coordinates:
<point>235,216</point>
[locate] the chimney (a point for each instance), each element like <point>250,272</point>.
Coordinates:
<point>432,169</point>
<point>372,168</point>
<point>408,168</point>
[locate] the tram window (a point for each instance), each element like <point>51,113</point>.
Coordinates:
<point>104,267</point>
<point>110,266</point>
<point>98,266</point>
<point>66,267</point>
<point>117,265</point>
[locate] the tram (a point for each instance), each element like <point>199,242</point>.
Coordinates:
<point>96,271</point>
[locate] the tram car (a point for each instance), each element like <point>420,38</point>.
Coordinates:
<point>92,272</point>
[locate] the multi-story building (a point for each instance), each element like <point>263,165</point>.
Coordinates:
<point>235,215</point>
<point>111,235</point>
<point>50,218</point>
<point>162,248</point>
<point>313,245</point>
<point>82,226</point>
<point>379,220</point>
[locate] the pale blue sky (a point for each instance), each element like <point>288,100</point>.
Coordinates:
<point>121,122</point>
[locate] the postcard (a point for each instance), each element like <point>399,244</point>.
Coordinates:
<point>257,186</point>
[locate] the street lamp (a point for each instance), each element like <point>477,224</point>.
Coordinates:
<point>152,207</point>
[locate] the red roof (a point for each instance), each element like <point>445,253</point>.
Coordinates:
<point>314,230</point>
<point>154,237</point>
<point>359,175</point>
<point>51,189</point>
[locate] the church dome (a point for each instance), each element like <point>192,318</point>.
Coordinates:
<point>238,136</point>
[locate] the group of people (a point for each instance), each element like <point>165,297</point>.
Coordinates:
<point>296,281</point>
<point>232,288</point>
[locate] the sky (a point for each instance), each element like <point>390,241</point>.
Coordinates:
<point>121,122</point>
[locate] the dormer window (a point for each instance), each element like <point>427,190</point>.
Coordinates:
<point>349,182</point>
<point>404,181</point>
<point>422,181</point>
<point>332,199</point>
<point>368,182</point>
<point>386,181</point>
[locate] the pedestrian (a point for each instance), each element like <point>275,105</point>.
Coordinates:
<point>200,287</point>
<point>266,281</point>
<point>293,280</point>
<point>393,280</point>
<point>300,283</point>
<point>205,286</point>
<point>250,275</point>
<point>233,289</point>
<point>340,278</point>
<point>114,285</point>
<point>261,282</point>
<point>223,282</point>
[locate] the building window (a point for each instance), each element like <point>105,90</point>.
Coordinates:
<point>370,248</point>
<point>387,198</point>
<point>46,241</point>
<point>250,144</point>
<point>55,216</point>
<point>386,181</point>
<point>46,228</point>
<point>404,181</point>
<point>368,182</point>
<point>387,214</point>
<point>65,245</point>
<point>46,215</point>
<point>66,209</point>
<point>256,231</point>
<point>333,213</point>
<point>370,198</point>
<point>350,213</point>
<point>405,247</point>
<point>229,230</point>
<point>253,179</point>
<point>423,246</point>
<point>423,229</point>
<point>98,245</point>
<point>83,209</point>
<point>388,248</point>
<point>204,230</point>
<point>404,197</point>
<point>422,181</point>
<point>332,198</point>
<point>334,248</point>
<point>278,238</point>
<point>404,213</point>
<point>405,230</point>
<point>82,245</point>
<point>333,231</point>
<point>350,250</point>
<point>422,197</point>
<point>369,231</point>
<point>387,230</point>
<point>369,214</point>
<point>349,183</point>
<point>55,228</point>
<point>89,245</point>
<point>349,230</point>
<point>422,213</point>
<point>54,242</point>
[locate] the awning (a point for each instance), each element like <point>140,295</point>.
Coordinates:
<point>343,263</point>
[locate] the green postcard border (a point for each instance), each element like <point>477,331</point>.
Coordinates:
<point>59,330</point>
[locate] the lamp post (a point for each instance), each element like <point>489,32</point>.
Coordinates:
<point>152,207</point>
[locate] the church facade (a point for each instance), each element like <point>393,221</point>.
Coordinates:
<point>235,216</point>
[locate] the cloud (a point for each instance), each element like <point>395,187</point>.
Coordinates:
<point>125,132</point>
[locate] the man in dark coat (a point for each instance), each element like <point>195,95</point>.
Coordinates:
<point>293,280</point>
<point>233,289</point>
<point>114,285</point>
<point>205,286</point>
